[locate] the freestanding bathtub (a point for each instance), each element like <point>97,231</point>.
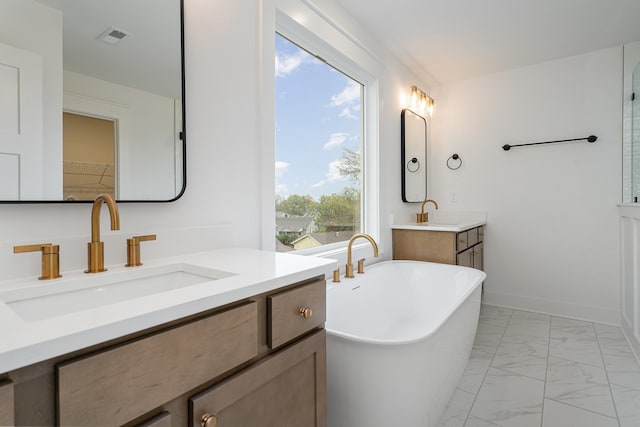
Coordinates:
<point>398,339</point>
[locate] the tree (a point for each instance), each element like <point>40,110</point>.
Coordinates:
<point>338,212</point>
<point>349,165</point>
<point>295,204</point>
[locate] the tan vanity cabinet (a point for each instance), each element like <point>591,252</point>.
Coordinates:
<point>286,388</point>
<point>258,361</point>
<point>6,404</point>
<point>446,247</point>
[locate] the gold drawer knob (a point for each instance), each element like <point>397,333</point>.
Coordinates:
<point>208,420</point>
<point>305,312</point>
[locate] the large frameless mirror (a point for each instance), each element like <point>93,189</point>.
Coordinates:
<point>92,100</point>
<point>413,156</point>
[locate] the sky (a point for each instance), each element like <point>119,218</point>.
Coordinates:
<point>317,116</point>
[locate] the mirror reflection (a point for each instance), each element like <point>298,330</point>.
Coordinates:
<point>414,157</point>
<point>92,100</point>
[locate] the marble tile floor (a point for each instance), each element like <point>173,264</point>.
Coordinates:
<point>534,370</point>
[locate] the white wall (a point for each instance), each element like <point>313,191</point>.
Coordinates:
<point>551,242</point>
<point>224,141</point>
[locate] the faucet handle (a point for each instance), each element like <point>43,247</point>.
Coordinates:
<point>336,275</point>
<point>361,266</point>
<point>133,249</point>
<point>50,258</point>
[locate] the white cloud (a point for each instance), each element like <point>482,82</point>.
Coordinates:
<point>287,64</point>
<point>346,112</point>
<point>348,96</point>
<point>333,175</point>
<point>281,167</point>
<point>335,140</point>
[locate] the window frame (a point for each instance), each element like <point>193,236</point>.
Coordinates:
<point>315,43</point>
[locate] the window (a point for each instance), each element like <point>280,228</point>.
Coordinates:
<point>319,147</point>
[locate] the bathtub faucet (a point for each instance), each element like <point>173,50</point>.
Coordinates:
<point>349,269</point>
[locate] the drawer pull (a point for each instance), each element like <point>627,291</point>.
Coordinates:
<point>209,420</point>
<point>305,312</point>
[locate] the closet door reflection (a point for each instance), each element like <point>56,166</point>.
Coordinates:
<point>89,149</point>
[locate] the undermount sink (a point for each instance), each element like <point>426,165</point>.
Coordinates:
<point>51,299</point>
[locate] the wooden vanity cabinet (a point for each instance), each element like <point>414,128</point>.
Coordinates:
<point>446,247</point>
<point>226,361</point>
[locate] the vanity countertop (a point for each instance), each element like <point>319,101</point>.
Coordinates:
<point>438,225</point>
<point>252,272</point>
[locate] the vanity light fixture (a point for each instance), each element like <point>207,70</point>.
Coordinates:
<point>420,102</point>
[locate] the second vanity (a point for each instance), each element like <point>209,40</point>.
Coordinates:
<point>243,346</point>
<point>457,240</point>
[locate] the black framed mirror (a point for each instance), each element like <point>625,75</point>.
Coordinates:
<point>413,143</point>
<point>95,100</point>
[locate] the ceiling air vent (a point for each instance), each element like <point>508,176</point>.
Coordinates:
<point>112,35</point>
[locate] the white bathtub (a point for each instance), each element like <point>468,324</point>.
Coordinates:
<point>398,339</point>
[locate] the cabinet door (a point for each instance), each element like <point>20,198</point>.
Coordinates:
<point>287,389</point>
<point>478,256</point>
<point>465,258</point>
<point>6,404</point>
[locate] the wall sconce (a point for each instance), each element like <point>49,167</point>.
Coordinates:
<point>420,102</point>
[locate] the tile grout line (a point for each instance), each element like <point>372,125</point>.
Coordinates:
<point>606,373</point>
<point>475,397</point>
<point>546,373</point>
<point>582,409</point>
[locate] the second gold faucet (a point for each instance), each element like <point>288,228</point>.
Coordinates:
<point>424,216</point>
<point>96,247</point>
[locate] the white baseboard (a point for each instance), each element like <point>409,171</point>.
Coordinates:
<point>633,343</point>
<point>552,307</point>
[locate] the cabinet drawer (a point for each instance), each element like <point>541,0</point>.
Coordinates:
<point>6,404</point>
<point>286,389</point>
<point>117,385</point>
<point>480,233</point>
<point>285,321</point>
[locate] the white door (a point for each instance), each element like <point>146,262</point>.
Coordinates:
<point>21,149</point>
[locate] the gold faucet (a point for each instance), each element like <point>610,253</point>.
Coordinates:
<point>424,216</point>
<point>349,269</point>
<point>96,247</point>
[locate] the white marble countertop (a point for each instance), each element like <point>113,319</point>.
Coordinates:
<point>439,220</point>
<point>440,225</point>
<point>252,272</point>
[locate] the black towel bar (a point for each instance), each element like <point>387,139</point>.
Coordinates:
<point>590,138</point>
